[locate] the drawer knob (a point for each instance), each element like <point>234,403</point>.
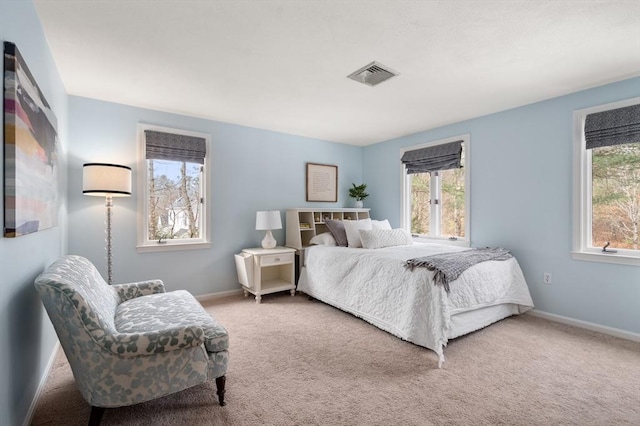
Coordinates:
<point>277,259</point>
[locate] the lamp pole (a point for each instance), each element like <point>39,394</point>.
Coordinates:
<point>108,203</point>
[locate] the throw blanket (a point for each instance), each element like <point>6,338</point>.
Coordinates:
<point>447,267</point>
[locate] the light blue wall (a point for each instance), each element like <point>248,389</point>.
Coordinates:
<point>251,170</point>
<point>521,198</point>
<point>26,334</point>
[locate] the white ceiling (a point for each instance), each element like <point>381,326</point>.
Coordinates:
<point>282,65</point>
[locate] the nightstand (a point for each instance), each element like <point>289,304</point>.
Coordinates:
<point>263,271</point>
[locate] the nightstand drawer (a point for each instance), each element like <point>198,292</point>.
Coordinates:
<point>276,259</point>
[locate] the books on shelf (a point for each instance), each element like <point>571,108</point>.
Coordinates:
<point>305,225</point>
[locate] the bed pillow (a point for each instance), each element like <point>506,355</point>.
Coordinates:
<point>379,238</point>
<point>337,230</point>
<point>324,239</point>
<point>380,224</point>
<point>352,227</point>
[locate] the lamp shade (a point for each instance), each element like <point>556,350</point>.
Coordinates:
<point>269,219</point>
<point>103,179</point>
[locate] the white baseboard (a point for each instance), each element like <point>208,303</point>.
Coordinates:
<point>629,335</point>
<point>218,295</point>
<point>43,382</point>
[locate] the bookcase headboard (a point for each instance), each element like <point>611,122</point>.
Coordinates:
<point>305,223</point>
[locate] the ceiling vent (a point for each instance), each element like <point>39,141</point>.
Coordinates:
<point>373,74</point>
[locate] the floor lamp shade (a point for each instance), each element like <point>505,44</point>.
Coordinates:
<point>107,180</point>
<point>102,179</point>
<point>268,220</point>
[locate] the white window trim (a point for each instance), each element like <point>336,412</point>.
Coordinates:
<point>405,208</point>
<point>582,250</point>
<point>144,245</point>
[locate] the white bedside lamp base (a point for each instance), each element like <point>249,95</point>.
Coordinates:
<point>268,242</point>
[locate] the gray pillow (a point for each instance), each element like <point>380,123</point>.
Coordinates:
<point>336,227</point>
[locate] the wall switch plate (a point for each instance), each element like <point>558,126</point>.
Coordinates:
<point>547,278</point>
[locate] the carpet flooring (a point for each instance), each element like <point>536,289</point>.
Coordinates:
<point>296,361</point>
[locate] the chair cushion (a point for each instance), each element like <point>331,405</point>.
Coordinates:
<point>161,311</point>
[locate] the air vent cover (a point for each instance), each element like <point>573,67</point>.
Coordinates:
<point>373,74</point>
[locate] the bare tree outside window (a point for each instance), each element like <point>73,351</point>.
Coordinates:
<point>452,184</point>
<point>616,196</point>
<point>174,199</point>
<point>450,196</point>
<point>420,207</point>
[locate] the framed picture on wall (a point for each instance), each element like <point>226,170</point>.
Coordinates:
<point>322,182</point>
<point>30,151</point>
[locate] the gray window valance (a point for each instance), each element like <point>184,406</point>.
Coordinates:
<point>433,158</point>
<point>174,147</point>
<point>613,127</point>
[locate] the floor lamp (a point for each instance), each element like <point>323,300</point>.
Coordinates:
<point>107,180</point>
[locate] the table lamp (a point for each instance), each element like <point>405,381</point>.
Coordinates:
<point>268,220</point>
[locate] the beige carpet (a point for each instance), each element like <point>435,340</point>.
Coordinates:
<point>301,362</point>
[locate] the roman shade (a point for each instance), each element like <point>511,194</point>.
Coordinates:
<point>433,158</point>
<point>174,147</point>
<point>613,127</point>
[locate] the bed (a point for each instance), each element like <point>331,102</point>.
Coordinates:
<point>376,285</point>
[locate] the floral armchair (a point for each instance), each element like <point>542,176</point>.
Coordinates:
<point>130,343</point>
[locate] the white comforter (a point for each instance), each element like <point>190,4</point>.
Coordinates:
<point>376,286</point>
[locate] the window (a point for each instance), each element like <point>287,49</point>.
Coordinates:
<point>435,189</point>
<point>607,183</point>
<point>172,201</point>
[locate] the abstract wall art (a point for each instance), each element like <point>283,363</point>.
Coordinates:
<point>30,151</point>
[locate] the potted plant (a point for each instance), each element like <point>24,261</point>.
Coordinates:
<point>358,193</point>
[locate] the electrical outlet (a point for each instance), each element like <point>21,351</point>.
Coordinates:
<point>547,278</point>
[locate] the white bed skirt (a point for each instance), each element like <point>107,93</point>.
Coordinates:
<point>467,322</point>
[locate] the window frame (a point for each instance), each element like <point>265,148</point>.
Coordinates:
<point>405,208</point>
<point>145,245</point>
<point>582,195</point>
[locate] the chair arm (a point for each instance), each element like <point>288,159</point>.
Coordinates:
<point>142,288</point>
<point>131,345</point>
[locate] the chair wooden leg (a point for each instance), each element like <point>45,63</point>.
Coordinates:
<point>96,415</point>
<point>220,382</point>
